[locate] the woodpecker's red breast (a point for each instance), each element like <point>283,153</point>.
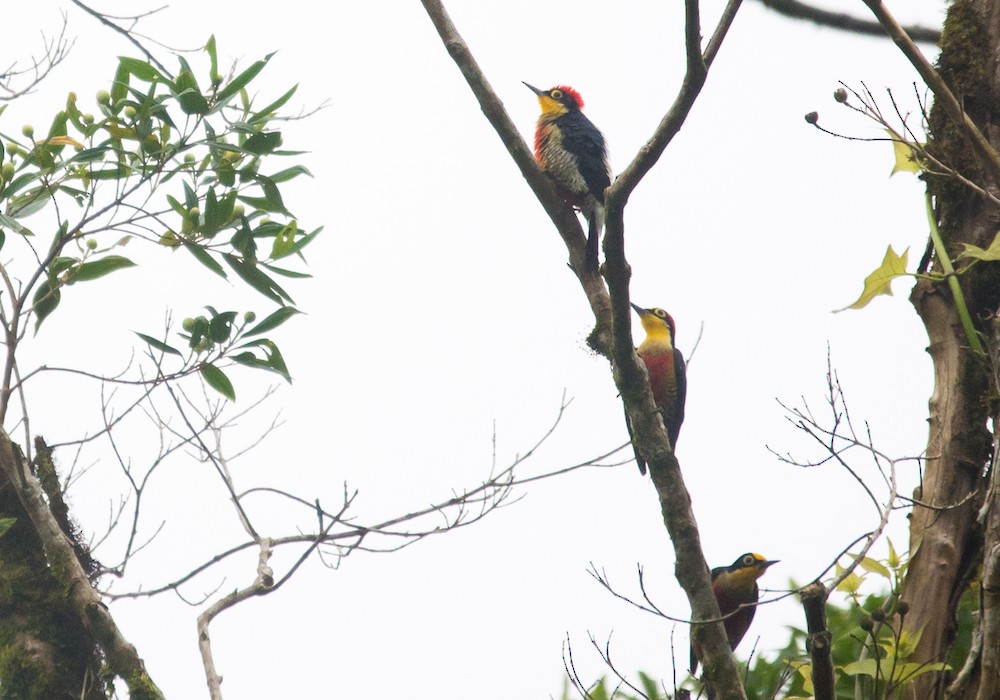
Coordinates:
<point>735,589</point>
<point>667,372</point>
<point>572,151</point>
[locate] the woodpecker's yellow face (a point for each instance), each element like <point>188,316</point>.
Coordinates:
<point>557,101</point>
<point>746,570</point>
<point>657,323</point>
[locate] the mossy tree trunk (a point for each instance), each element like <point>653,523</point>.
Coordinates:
<point>947,534</point>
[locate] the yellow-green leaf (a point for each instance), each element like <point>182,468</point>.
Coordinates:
<point>866,667</point>
<point>990,254</point>
<point>879,282</point>
<point>851,584</point>
<point>875,567</point>
<point>904,155</point>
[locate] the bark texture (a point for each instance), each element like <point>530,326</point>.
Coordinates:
<point>946,536</point>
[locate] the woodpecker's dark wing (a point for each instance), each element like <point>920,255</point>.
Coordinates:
<point>676,418</point>
<point>581,138</point>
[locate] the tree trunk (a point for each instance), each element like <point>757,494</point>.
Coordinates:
<point>946,536</point>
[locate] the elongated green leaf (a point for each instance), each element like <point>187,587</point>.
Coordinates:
<point>157,344</point>
<point>140,69</point>
<point>266,113</point>
<point>13,225</point>
<point>290,173</point>
<point>119,88</point>
<point>99,268</point>
<point>213,56</point>
<point>273,321</point>
<point>218,380</point>
<point>242,80</point>
<point>32,201</point>
<point>6,524</point>
<point>206,259</point>
<point>45,301</point>
<point>257,279</point>
<point>879,282</point>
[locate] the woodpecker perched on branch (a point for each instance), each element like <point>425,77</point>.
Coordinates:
<point>735,586</point>
<point>572,151</point>
<point>667,374</point>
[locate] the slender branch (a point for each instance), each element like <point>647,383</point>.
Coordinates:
<point>844,22</point>
<point>946,98</point>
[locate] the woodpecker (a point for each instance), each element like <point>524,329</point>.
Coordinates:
<point>735,586</point>
<point>667,373</point>
<point>572,152</point>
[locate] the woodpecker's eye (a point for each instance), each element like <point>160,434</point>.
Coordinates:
<point>660,312</point>
<point>749,560</point>
<point>556,94</point>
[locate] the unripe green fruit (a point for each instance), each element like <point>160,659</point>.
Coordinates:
<point>130,112</point>
<point>103,97</point>
<point>188,324</point>
<point>249,317</point>
<point>88,118</point>
<point>28,130</point>
<point>7,172</point>
<point>91,244</point>
<point>189,157</point>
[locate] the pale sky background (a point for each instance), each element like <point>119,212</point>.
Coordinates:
<point>442,307</point>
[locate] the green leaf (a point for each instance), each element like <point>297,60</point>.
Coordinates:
<point>851,584</point>
<point>242,80</point>
<point>220,327</point>
<point>13,225</point>
<point>290,173</point>
<point>875,567</point>
<point>157,344</point>
<point>879,282</point>
<point>213,56</point>
<point>865,667</point>
<point>6,524</point>
<point>273,321</point>
<point>140,69</point>
<point>45,301</point>
<point>206,259</point>
<point>32,201</point>
<point>991,254</point>
<point>99,268</point>
<point>188,93</point>
<point>904,156</point>
<point>893,556</point>
<point>119,88</point>
<point>257,279</point>
<point>267,112</point>
<point>263,142</point>
<point>217,379</point>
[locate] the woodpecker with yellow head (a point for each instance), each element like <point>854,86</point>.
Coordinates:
<point>572,152</point>
<point>735,589</point>
<point>667,372</point>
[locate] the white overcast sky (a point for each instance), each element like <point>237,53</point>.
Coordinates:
<point>442,308</point>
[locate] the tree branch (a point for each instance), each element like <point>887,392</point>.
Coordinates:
<point>819,641</point>
<point>988,156</point>
<point>844,22</point>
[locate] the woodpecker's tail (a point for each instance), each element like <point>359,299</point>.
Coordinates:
<point>596,222</point>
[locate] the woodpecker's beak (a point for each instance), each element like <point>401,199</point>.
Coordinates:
<point>534,89</point>
<point>770,562</point>
<point>638,309</point>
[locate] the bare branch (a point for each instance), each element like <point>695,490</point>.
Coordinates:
<point>845,22</point>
